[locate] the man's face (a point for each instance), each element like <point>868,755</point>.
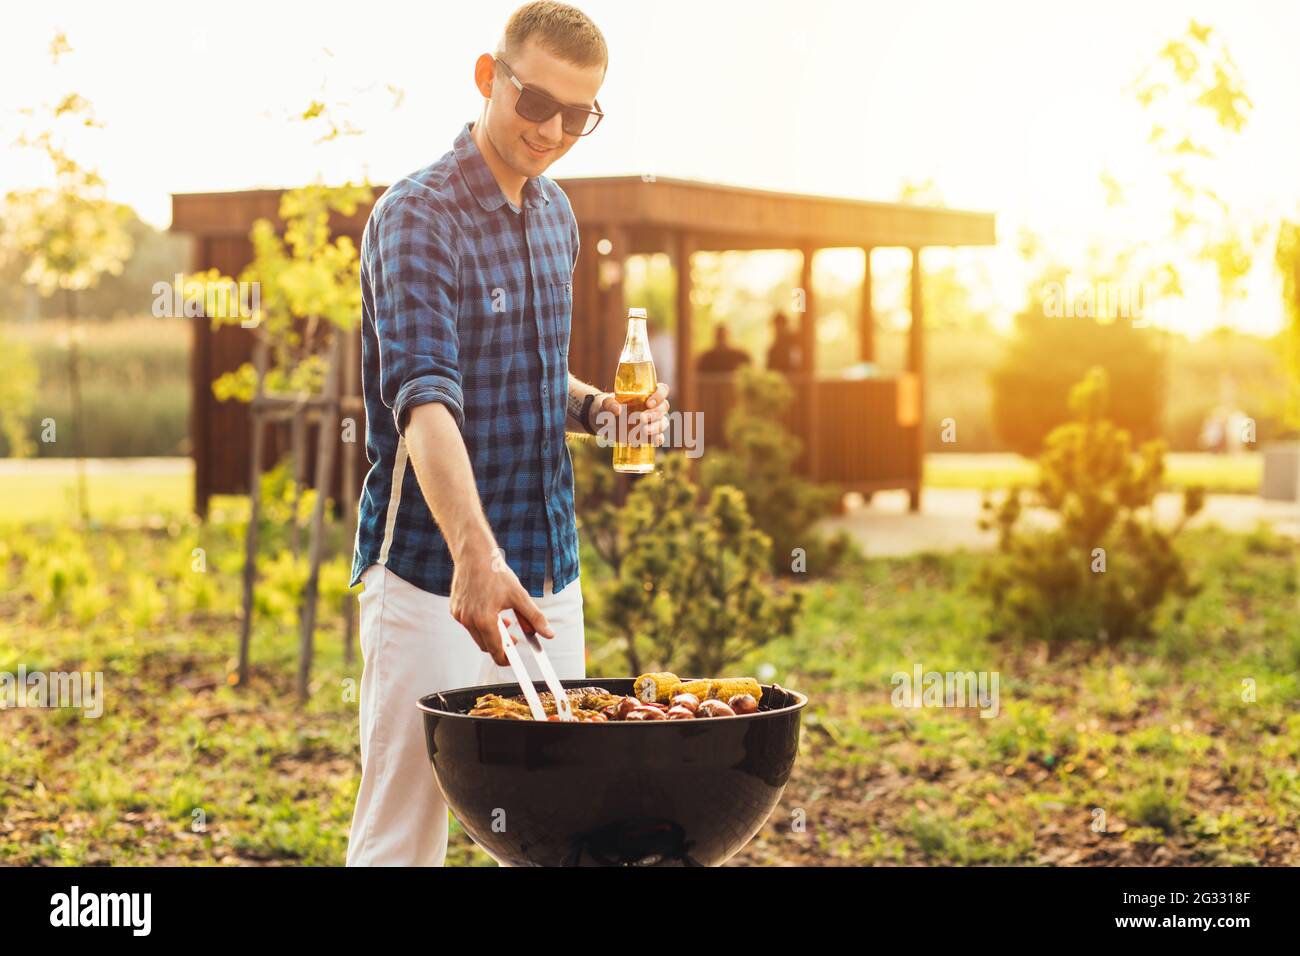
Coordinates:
<point>530,148</point>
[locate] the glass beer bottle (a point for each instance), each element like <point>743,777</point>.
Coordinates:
<point>634,382</point>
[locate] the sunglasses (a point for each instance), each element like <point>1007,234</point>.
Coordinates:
<point>537,107</point>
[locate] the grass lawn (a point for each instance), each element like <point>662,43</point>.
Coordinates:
<point>1155,742</point>
<point>45,490</point>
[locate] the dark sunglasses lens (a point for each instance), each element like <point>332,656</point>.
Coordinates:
<point>578,122</point>
<point>534,107</point>
<point>537,108</point>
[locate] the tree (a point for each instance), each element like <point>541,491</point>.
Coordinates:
<point>309,288</point>
<point>308,293</point>
<point>1194,97</point>
<point>309,298</point>
<point>69,234</point>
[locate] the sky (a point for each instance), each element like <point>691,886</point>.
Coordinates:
<point>1010,107</point>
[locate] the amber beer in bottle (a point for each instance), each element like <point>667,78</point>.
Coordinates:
<point>634,382</point>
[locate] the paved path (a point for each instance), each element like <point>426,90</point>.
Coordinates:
<point>948,520</point>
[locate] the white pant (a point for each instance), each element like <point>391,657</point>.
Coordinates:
<point>412,647</point>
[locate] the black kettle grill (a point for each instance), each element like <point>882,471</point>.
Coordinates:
<point>637,793</point>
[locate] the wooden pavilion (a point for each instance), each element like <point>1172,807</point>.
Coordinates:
<point>864,434</point>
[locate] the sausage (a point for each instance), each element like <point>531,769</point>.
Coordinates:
<point>743,704</point>
<point>715,708</point>
<point>689,701</point>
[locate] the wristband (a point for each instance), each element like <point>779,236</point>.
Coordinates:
<point>585,417</point>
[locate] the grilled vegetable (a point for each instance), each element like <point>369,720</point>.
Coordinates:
<point>662,686</point>
<point>729,687</point>
<point>699,689</point>
<point>650,688</point>
<point>719,689</point>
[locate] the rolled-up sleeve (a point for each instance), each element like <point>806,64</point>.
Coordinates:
<point>415,294</point>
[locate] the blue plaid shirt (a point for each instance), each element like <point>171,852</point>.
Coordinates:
<point>466,300</point>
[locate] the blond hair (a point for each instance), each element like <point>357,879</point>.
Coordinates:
<point>560,29</point>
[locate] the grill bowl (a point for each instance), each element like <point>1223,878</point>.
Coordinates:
<point>641,793</point>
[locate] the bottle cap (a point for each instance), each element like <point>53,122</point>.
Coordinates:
<point>636,313</point>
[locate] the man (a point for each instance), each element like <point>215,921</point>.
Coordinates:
<point>467,511</point>
<point>783,355</point>
<point>722,357</point>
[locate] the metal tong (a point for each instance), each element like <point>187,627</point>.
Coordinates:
<point>534,644</point>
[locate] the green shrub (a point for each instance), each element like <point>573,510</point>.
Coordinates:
<point>1100,573</point>
<point>759,460</point>
<point>1160,803</point>
<point>689,588</point>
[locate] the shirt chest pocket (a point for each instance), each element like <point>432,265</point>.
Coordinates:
<point>559,316</point>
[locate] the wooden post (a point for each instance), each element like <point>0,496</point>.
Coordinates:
<point>611,307</point>
<point>611,320</point>
<point>78,412</point>
<point>298,444</point>
<point>327,440</point>
<point>808,363</point>
<point>683,390</point>
<point>916,366</point>
<point>201,399</point>
<point>254,513</point>
<point>866,314</point>
<point>584,361</point>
